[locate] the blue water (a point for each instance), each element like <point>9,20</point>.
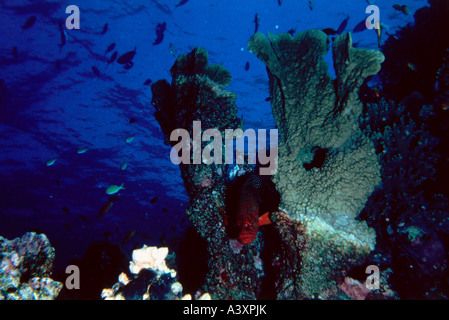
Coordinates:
<point>54,104</point>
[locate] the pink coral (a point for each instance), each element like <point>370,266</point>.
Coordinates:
<point>206,183</point>
<point>354,288</point>
<point>235,246</point>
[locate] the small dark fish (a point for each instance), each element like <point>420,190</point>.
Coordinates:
<point>84,218</point>
<point>160,29</point>
<point>128,66</point>
<point>291,31</point>
<point>14,52</point>
<point>104,209</point>
<point>96,71</point>
<point>107,234</point>
<point>403,8</point>
<point>58,183</point>
<point>113,198</point>
<point>63,34</point>
<point>412,66</point>
<point>311,4</point>
<point>110,47</point>
<point>181,3</point>
<point>246,66</point>
<point>256,23</point>
<point>343,25</point>
<point>132,120</point>
<point>164,209</point>
<point>146,236</point>
<point>65,209</point>
<point>128,236</point>
<point>127,57</point>
<point>268,99</point>
<point>105,28</point>
<point>279,2</point>
<point>29,23</point>
<point>153,200</point>
<point>162,238</point>
<point>361,26</point>
<point>147,82</point>
<point>68,227</point>
<point>329,31</point>
<point>113,57</point>
<point>173,228</point>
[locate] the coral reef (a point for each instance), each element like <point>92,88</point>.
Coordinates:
<point>327,167</point>
<point>150,279</point>
<point>25,267</point>
<point>409,210</point>
<point>197,93</point>
<point>408,124</point>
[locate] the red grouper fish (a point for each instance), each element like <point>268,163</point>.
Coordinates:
<point>247,220</point>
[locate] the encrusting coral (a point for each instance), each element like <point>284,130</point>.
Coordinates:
<point>25,267</point>
<point>327,167</point>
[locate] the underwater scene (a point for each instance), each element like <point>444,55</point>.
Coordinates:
<point>224,150</point>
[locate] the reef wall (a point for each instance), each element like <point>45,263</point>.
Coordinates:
<point>327,167</point>
<point>197,93</point>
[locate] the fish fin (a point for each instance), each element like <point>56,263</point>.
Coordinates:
<point>265,219</point>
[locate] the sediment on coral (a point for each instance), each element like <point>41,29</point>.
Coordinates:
<point>327,166</point>
<point>25,268</point>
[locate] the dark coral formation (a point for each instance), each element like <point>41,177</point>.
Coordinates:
<point>99,267</point>
<point>327,167</point>
<point>409,210</point>
<point>25,267</point>
<point>197,93</point>
<point>149,278</point>
<point>293,241</point>
<point>422,45</point>
<point>409,125</point>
